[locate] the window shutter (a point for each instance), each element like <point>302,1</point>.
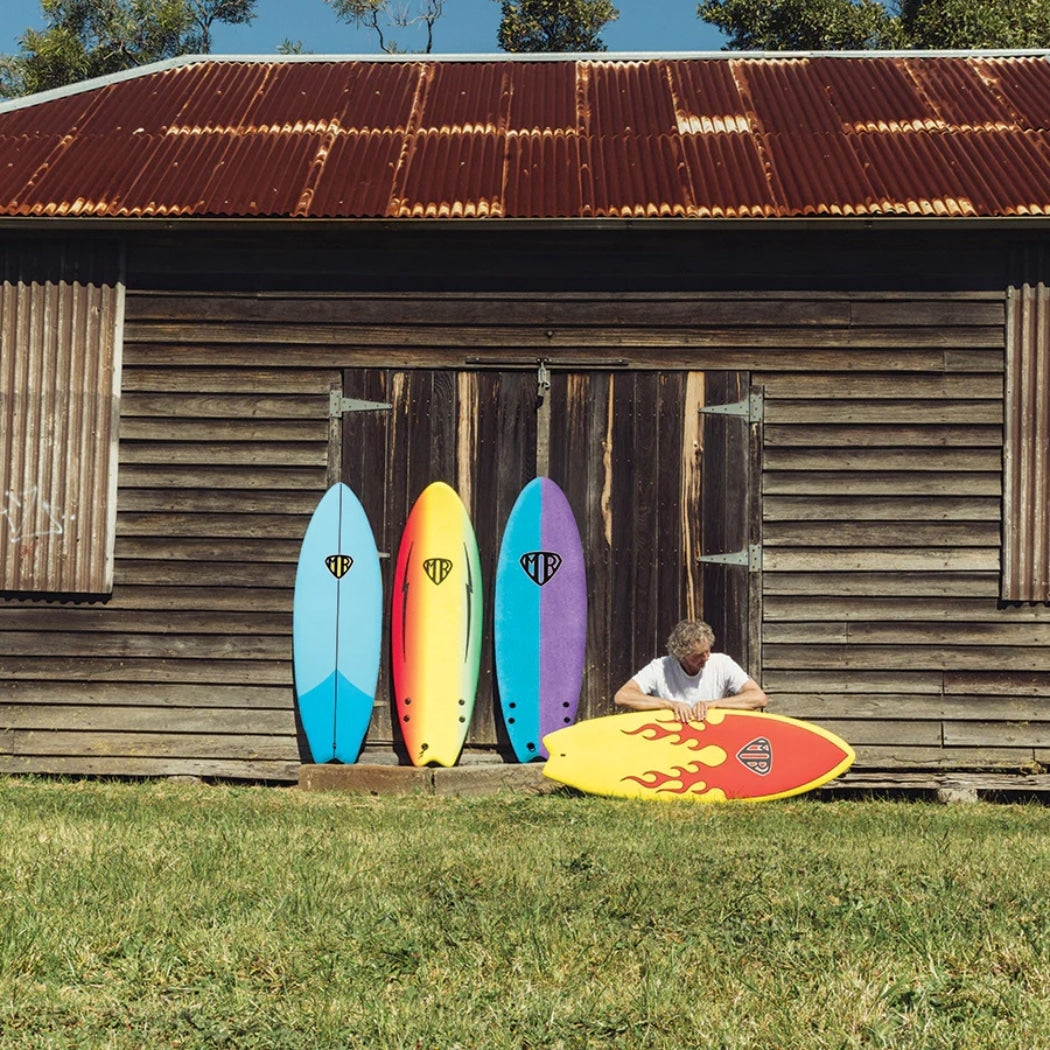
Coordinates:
<point>1026,481</point>
<point>61,313</point>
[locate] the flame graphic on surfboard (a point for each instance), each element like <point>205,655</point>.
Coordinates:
<point>731,755</point>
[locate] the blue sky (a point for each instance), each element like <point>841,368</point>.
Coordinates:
<point>466,27</point>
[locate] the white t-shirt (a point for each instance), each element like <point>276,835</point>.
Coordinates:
<point>720,677</point>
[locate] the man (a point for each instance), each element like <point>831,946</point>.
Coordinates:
<point>691,679</point>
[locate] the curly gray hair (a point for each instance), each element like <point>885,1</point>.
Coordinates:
<point>688,636</point>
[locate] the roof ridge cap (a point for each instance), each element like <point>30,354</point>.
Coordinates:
<point>95,83</point>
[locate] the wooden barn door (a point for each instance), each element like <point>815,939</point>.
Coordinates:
<point>627,448</point>
<point>731,542</point>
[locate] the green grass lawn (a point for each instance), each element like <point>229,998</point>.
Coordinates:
<point>161,915</point>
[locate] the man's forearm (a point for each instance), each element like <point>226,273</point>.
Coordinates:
<point>750,698</point>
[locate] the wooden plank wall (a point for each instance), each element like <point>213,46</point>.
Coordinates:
<point>881,506</point>
<point>226,446</point>
<point>618,447</point>
<point>881,497</point>
<point>186,669</point>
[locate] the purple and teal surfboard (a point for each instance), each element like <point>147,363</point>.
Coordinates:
<point>540,618</point>
<point>337,615</point>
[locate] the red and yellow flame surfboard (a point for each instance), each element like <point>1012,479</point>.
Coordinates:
<point>731,755</point>
<point>436,627</point>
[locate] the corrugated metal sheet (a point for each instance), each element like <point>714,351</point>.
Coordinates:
<point>729,137</point>
<point>1026,459</point>
<point>541,97</point>
<point>60,312</point>
<point>1024,85</point>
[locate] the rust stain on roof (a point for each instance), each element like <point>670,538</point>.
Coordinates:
<point>724,137</point>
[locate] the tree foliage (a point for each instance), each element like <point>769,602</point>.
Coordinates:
<point>976,23</point>
<point>848,25</point>
<point>801,25</point>
<point>91,38</point>
<point>205,13</point>
<point>384,17</point>
<point>554,25</point>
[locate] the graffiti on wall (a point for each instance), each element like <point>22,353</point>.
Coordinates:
<point>29,516</point>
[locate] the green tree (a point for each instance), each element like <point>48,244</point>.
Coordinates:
<point>976,23</point>
<point>91,38</point>
<point>554,25</point>
<point>847,25</point>
<point>205,13</point>
<point>386,16</point>
<point>802,25</point>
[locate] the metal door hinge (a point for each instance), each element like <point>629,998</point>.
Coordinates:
<point>543,381</point>
<point>338,405</point>
<point>751,409</point>
<point>750,556</point>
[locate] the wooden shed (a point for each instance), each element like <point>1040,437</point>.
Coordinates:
<point>778,325</point>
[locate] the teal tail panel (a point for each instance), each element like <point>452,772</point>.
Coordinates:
<point>335,717</point>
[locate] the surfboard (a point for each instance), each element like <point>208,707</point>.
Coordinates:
<point>539,618</point>
<point>337,616</point>
<point>436,625</point>
<point>731,755</point>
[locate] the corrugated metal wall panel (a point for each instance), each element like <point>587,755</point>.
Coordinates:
<point>61,311</point>
<point>1026,482</point>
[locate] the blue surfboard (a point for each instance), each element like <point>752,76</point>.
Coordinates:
<point>540,618</point>
<point>337,616</point>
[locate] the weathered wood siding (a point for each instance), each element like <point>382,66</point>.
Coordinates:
<point>617,443</point>
<point>877,499</point>
<point>881,507</point>
<point>187,668</point>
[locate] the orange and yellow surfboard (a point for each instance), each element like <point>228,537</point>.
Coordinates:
<point>731,755</point>
<point>436,627</point>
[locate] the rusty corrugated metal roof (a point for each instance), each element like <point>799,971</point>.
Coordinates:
<point>710,136</point>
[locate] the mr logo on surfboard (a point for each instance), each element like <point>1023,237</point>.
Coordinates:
<point>757,756</point>
<point>437,569</point>
<point>339,564</point>
<point>540,566</point>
